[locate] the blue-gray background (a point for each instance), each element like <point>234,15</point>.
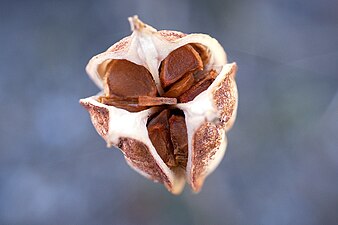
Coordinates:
<point>281,166</point>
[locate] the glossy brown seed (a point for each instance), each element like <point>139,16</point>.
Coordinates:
<point>202,75</point>
<point>195,90</point>
<point>179,62</point>
<point>203,52</point>
<point>127,103</point>
<point>159,134</point>
<point>179,138</point>
<point>180,86</point>
<point>127,79</point>
<point>155,101</point>
<point>134,104</point>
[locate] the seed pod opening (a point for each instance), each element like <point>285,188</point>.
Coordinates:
<point>167,101</point>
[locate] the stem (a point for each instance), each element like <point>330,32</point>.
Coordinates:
<point>136,23</point>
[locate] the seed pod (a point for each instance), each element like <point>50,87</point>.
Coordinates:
<point>167,101</point>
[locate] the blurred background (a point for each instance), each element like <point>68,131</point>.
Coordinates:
<point>281,165</point>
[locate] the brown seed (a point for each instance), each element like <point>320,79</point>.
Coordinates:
<point>202,75</point>
<point>128,79</point>
<point>134,104</point>
<point>180,86</point>
<point>179,138</point>
<point>159,134</point>
<point>127,103</point>
<point>203,52</point>
<point>195,90</point>
<point>154,101</point>
<point>179,62</point>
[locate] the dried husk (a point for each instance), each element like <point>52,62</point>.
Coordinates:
<point>208,116</point>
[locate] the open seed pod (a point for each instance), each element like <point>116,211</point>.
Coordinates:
<point>167,100</point>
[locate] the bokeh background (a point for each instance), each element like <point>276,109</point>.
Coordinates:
<point>281,165</point>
